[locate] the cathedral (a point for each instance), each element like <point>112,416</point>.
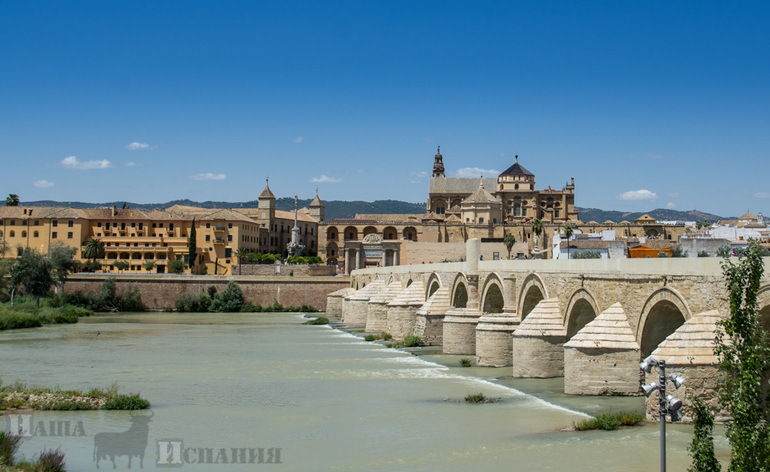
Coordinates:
<point>510,198</point>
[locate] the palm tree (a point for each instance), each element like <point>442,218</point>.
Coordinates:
<point>568,233</point>
<point>509,240</point>
<point>94,249</point>
<point>537,228</point>
<point>12,200</point>
<point>241,253</point>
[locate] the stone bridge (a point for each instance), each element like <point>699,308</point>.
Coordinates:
<point>589,320</point>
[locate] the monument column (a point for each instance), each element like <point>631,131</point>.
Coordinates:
<point>359,258</point>
<point>347,261</point>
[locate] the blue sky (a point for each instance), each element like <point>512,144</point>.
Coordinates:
<point>647,104</point>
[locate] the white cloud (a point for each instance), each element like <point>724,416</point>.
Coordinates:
<point>208,176</point>
<point>131,164</point>
<point>642,194</point>
<point>762,194</point>
<point>670,205</point>
<point>42,184</point>
<point>324,179</point>
<point>298,139</point>
<point>137,146</point>
<point>476,172</point>
<point>419,175</point>
<point>72,162</point>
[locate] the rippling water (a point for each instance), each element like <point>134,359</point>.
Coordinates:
<point>327,399</point>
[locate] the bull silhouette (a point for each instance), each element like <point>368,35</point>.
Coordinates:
<point>132,442</point>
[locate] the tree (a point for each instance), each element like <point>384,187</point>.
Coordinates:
<point>177,266</point>
<point>509,240</point>
<point>702,446</point>
<point>121,265</point>
<point>537,228</point>
<point>568,232</point>
<point>33,272</point>
<point>148,265</point>
<point>744,358</point>
<point>94,249</point>
<point>192,246</point>
<point>242,254</point>
<point>12,200</point>
<point>62,262</point>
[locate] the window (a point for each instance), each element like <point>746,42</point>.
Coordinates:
<point>171,226</point>
<point>228,252</point>
<point>13,222</point>
<point>55,223</point>
<point>517,209</point>
<point>13,234</point>
<point>155,225</point>
<point>69,235</point>
<point>208,237</point>
<point>122,226</point>
<point>481,221</point>
<point>230,225</point>
<point>230,237</point>
<point>54,235</point>
<point>37,223</point>
<point>133,225</point>
<point>160,225</point>
<point>35,234</point>
<point>106,226</point>
<point>23,234</point>
<point>70,223</point>
<point>141,225</point>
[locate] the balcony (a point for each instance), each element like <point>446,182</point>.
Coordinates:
<point>219,228</point>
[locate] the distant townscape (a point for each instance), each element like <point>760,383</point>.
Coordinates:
<point>509,215</point>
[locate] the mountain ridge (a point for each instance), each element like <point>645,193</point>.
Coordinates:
<point>346,209</point>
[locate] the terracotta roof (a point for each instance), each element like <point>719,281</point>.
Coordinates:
<point>481,195</point>
<point>460,186</point>
<point>747,216</point>
<point>316,201</point>
<point>266,193</point>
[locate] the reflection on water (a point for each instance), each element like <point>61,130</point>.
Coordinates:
<point>228,389</point>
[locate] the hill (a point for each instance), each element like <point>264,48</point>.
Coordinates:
<point>661,214</point>
<point>335,209</point>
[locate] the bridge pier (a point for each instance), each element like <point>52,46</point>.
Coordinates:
<point>493,339</point>
<point>335,300</point>
<point>357,307</point>
<point>538,343</point>
<point>377,309</point>
<point>430,318</point>
<point>402,311</point>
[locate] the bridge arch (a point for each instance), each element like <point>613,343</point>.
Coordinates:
<point>460,292</point>
<point>532,292</point>
<point>663,312</point>
<point>492,300</point>
<point>434,283</point>
<point>581,310</point>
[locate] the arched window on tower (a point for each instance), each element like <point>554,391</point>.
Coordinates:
<point>517,209</point>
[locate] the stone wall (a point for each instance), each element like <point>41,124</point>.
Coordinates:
<point>695,245</point>
<point>700,381</point>
<point>284,270</point>
<point>160,291</point>
<point>538,357</point>
<point>601,372</point>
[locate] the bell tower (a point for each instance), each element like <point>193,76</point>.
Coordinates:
<point>438,164</point>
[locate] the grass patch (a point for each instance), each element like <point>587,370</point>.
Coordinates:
<point>387,336</point>
<point>465,362</point>
<point>410,340</point>
<point>47,461</point>
<point>321,320</point>
<point>19,395</point>
<point>475,398</point>
<point>26,314</point>
<point>609,421</point>
<point>370,337</point>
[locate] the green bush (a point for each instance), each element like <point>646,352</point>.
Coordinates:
<point>465,362</point>
<point>230,300</point>
<point>475,398</point>
<point>703,254</point>
<point>387,336</point>
<point>16,320</point>
<point>411,340</point>
<point>126,402</point>
<point>627,418</point>
<point>607,421</point>
<point>50,461</point>
<point>370,337</point>
<point>9,444</point>
<point>318,321</point>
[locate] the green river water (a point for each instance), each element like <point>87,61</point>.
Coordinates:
<point>225,388</point>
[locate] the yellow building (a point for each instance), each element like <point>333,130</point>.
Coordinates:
<point>148,240</point>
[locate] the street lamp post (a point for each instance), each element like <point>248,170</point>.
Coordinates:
<point>668,404</point>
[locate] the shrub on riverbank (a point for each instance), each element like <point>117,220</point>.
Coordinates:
<point>107,299</point>
<point>475,398</point>
<point>465,362</point>
<point>19,395</point>
<point>229,300</point>
<point>609,421</point>
<point>319,321</point>
<point>27,314</point>
<point>411,340</point>
<point>47,461</point>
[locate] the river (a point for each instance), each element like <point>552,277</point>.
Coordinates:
<point>251,387</point>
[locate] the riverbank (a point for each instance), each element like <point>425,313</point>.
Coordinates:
<point>19,396</point>
<point>27,314</point>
